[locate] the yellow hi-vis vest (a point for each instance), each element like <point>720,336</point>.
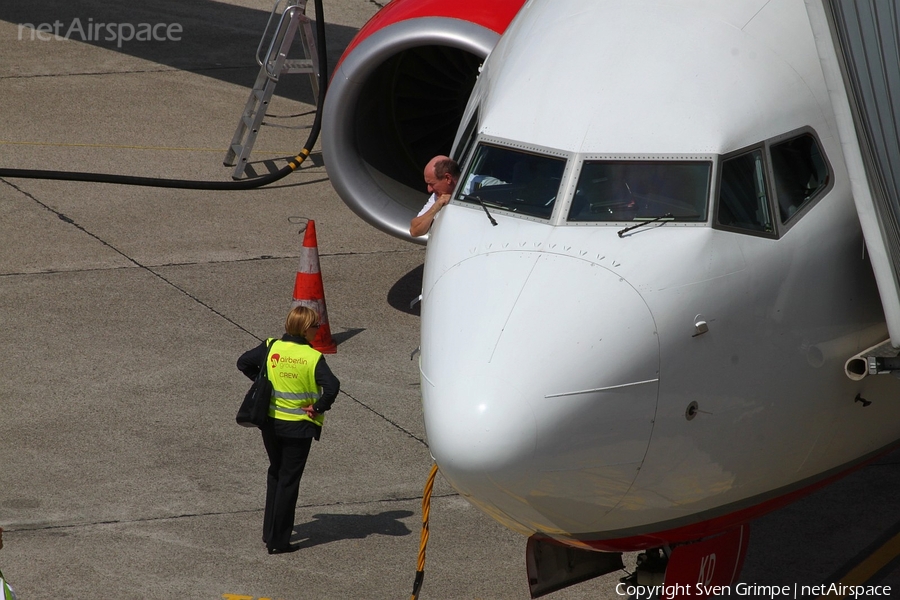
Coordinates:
<point>292,371</point>
<point>8,593</point>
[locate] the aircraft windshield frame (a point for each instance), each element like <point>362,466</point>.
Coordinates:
<point>617,190</point>
<point>525,182</point>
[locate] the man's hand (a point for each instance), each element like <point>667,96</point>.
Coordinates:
<point>422,223</point>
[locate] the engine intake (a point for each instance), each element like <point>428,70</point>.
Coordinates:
<point>396,100</point>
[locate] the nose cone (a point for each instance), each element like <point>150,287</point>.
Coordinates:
<point>539,383</point>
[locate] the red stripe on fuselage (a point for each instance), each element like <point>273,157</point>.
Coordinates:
<point>696,531</point>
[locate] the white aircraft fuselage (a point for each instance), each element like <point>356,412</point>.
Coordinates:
<point>627,391</point>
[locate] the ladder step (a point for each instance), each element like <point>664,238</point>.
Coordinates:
<point>298,65</point>
<point>248,122</point>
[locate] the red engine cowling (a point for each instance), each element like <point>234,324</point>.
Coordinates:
<point>396,99</point>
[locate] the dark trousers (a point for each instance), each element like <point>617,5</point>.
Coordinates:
<point>287,458</point>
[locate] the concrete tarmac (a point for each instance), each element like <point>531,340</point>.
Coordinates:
<point>123,310</point>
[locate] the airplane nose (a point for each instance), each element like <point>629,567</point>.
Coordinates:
<point>539,386</point>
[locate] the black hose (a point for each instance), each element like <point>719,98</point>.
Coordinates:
<point>244,184</point>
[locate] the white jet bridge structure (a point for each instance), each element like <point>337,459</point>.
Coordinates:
<point>859,46</point>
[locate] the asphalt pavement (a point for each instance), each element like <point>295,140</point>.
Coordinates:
<point>122,472</point>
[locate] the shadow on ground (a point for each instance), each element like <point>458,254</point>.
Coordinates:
<point>406,290</point>
<point>326,528</point>
<point>216,40</point>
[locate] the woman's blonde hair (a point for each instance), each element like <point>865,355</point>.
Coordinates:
<point>299,320</point>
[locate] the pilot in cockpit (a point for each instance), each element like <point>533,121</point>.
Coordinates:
<point>441,175</point>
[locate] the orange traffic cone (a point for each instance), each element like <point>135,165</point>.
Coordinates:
<point>308,289</point>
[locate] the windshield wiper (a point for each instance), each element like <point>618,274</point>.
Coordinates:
<point>641,224</point>
<point>478,200</point>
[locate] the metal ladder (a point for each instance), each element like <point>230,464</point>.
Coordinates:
<point>293,21</point>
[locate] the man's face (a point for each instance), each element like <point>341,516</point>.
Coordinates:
<point>437,186</point>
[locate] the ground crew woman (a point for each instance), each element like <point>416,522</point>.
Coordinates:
<point>6,591</point>
<point>303,389</point>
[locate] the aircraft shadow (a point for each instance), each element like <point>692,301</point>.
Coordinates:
<point>326,528</point>
<point>343,336</point>
<point>217,40</point>
<point>407,289</point>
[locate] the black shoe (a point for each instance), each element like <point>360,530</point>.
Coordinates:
<point>285,550</point>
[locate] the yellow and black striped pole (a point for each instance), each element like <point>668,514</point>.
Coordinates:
<point>426,509</point>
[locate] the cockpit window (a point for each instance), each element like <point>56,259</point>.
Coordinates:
<point>636,190</point>
<point>506,179</point>
<point>466,140</point>
<point>800,173</point>
<point>743,200</point>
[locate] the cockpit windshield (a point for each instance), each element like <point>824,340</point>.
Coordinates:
<point>521,182</point>
<point>610,190</point>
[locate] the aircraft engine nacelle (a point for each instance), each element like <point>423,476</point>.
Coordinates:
<point>397,97</point>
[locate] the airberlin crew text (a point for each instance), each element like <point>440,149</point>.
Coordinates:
<point>291,361</point>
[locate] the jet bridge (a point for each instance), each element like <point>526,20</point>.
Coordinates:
<point>859,48</point>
